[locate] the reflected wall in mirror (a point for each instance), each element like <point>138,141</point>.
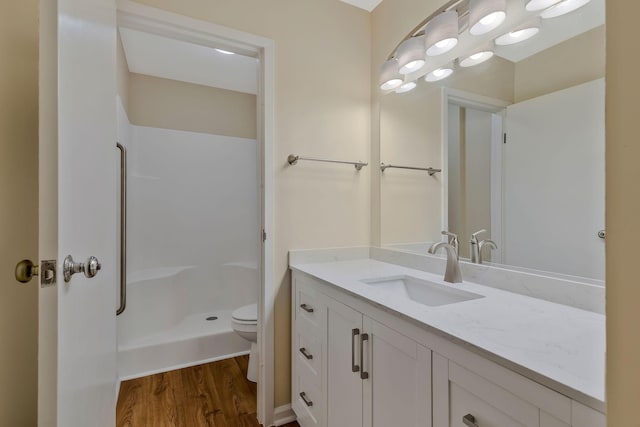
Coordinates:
<point>520,141</point>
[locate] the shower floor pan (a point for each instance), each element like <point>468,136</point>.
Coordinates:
<point>193,341</point>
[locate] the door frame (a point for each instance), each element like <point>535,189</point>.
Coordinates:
<point>483,103</point>
<point>180,27</point>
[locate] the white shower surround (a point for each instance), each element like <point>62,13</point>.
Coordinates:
<point>192,246</point>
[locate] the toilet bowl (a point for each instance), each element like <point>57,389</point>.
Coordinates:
<point>244,322</point>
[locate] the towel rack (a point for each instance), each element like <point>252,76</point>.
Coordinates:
<point>293,159</point>
<point>431,171</point>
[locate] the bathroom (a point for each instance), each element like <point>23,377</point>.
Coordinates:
<point>318,109</point>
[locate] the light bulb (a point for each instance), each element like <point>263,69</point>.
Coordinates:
<point>476,58</point>
<point>406,87</point>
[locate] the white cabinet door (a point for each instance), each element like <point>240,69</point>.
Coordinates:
<point>77,342</point>
<point>397,391</point>
<point>344,385</point>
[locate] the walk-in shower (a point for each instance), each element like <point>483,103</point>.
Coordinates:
<point>192,241</point>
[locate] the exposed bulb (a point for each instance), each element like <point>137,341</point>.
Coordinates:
<point>406,87</point>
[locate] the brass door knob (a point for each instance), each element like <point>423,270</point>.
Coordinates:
<point>25,270</point>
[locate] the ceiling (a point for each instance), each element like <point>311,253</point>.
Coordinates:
<point>367,5</point>
<point>167,58</point>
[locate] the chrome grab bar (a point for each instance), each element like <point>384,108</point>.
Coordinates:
<point>123,229</point>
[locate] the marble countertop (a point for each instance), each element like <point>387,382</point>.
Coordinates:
<point>559,346</point>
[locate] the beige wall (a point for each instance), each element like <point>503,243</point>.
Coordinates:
<point>578,60</point>
<point>171,104</point>
<point>18,211</point>
<point>322,108</point>
<point>622,214</point>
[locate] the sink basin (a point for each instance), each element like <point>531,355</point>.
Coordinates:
<point>422,291</point>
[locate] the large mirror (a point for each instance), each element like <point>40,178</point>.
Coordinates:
<point>513,145</point>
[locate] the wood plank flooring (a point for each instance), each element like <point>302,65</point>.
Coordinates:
<point>215,394</point>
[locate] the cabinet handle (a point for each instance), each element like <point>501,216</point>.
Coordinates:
<point>363,374</point>
<point>306,308</point>
<point>470,420</point>
<point>303,395</point>
<point>354,367</point>
<point>305,353</point>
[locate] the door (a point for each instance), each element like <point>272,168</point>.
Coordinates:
<point>344,383</point>
<point>77,340</point>
<point>553,170</point>
<point>397,391</point>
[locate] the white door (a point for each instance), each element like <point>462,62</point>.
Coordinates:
<point>344,383</point>
<point>397,391</point>
<point>554,182</point>
<point>77,339</point>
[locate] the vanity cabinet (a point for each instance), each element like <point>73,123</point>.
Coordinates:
<point>354,364</point>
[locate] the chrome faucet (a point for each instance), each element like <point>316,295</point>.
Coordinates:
<point>475,247</point>
<point>452,273</point>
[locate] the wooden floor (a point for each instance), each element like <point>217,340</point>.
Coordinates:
<point>216,394</point>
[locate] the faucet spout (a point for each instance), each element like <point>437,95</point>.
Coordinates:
<point>482,244</point>
<point>452,273</point>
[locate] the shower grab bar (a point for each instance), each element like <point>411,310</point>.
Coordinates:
<point>431,171</point>
<point>123,229</point>
<point>293,159</point>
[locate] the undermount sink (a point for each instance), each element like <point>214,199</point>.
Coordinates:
<point>421,291</point>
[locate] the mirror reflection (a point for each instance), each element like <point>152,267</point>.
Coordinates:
<point>518,140</point>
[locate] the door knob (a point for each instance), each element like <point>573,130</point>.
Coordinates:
<point>25,270</point>
<point>90,267</point>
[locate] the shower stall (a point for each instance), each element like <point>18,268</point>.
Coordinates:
<point>191,245</point>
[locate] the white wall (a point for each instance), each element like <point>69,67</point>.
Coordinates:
<point>192,216</point>
<point>554,182</point>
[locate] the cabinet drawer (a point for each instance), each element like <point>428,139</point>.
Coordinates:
<point>307,402</point>
<point>309,304</point>
<point>472,396</point>
<point>308,350</point>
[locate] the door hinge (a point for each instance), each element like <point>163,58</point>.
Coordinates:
<point>264,235</point>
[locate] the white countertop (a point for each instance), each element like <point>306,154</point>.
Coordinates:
<point>555,344</point>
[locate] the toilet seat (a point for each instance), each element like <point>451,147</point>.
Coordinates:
<point>246,315</point>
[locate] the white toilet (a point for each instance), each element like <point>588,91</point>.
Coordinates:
<point>245,323</point>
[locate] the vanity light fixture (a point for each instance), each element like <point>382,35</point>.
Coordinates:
<point>563,7</point>
<point>534,5</point>
<point>390,77</point>
<point>476,58</point>
<point>486,15</point>
<point>410,55</point>
<point>442,33</point>
<point>406,87</point>
<point>225,52</point>
<point>438,74</point>
<point>520,34</point>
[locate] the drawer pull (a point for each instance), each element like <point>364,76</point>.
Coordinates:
<point>306,354</point>
<point>363,374</point>
<point>354,367</point>
<point>303,396</point>
<point>470,420</point>
<point>306,308</point>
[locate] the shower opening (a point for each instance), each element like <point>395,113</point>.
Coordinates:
<point>187,116</point>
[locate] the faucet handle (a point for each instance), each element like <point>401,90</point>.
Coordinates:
<point>452,236</point>
<point>474,236</point>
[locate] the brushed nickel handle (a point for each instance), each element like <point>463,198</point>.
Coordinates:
<point>363,374</point>
<point>306,308</point>
<point>303,395</point>
<point>306,354</point>
<point>90,268</point>
<point>354,367</point>
<point>470,420</point>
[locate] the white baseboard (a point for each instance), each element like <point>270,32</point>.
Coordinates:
<point>283,415</point>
